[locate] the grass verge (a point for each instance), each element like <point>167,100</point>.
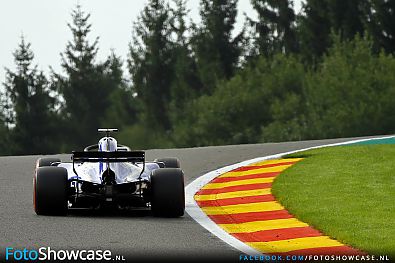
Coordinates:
<point>347,192</point>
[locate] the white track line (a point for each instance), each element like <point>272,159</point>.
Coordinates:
<point>199,216</point>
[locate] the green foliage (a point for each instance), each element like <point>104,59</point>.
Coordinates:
<point>274,32</point>
<point>239,108</point>
<point>87,86</point>
<point>314,29</point>
<point>289,120</point>
<point>150,63</point>
<point>138,136</point>
<point>346,18</point>
<point>347,94</point>
<point>380,24</point>
<point>217,53</point>
<point>28,106</point>
<point>123,107</point>
<point>185,85</point>
<point>326,72</point>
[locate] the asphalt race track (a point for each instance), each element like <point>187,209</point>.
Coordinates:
<point>135,235</point>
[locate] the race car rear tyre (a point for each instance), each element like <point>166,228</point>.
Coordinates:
<point>168,194</point>
<point>170,162</point>
<point>50,191</point>
<point>47,161</point>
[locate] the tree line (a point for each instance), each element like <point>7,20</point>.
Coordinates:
<point>323,73</point>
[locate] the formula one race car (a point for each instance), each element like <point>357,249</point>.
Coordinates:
<point>108,174</point>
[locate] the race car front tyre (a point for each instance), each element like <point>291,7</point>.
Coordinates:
<point>170,162</point>
<point>47,161</point>
<point>168,194</point>
<point>50,191</point>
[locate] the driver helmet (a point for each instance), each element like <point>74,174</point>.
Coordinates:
<point>108,144</point>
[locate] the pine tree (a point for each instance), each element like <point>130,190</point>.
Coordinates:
<point>150,63</point>
<point>275,28</point>
<point>322,17</point>
<point>314,29</point>
<point>30,106</point>
<point>381,24</point>
<point>185,84</point>
<point>7,116</point>
<point>123,107</point>
<point>85,88</point>
<point>347,18</point>
<point>217,52</point>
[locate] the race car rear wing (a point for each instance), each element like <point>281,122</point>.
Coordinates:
<point>111,157</point>
<point>108,157</point>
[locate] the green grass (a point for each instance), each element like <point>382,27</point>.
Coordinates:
<point>346,192</point>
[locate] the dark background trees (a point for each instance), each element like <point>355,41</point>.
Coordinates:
<point>150,63</point>
<point>380,23</point>
<point>275,28</point>
<point>323,73</point>
<point>87,85</point>
<point>217,52</point>
<point>28,107</point>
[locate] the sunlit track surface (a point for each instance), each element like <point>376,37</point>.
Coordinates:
<point>135,234</point>
<point>256,218</point>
